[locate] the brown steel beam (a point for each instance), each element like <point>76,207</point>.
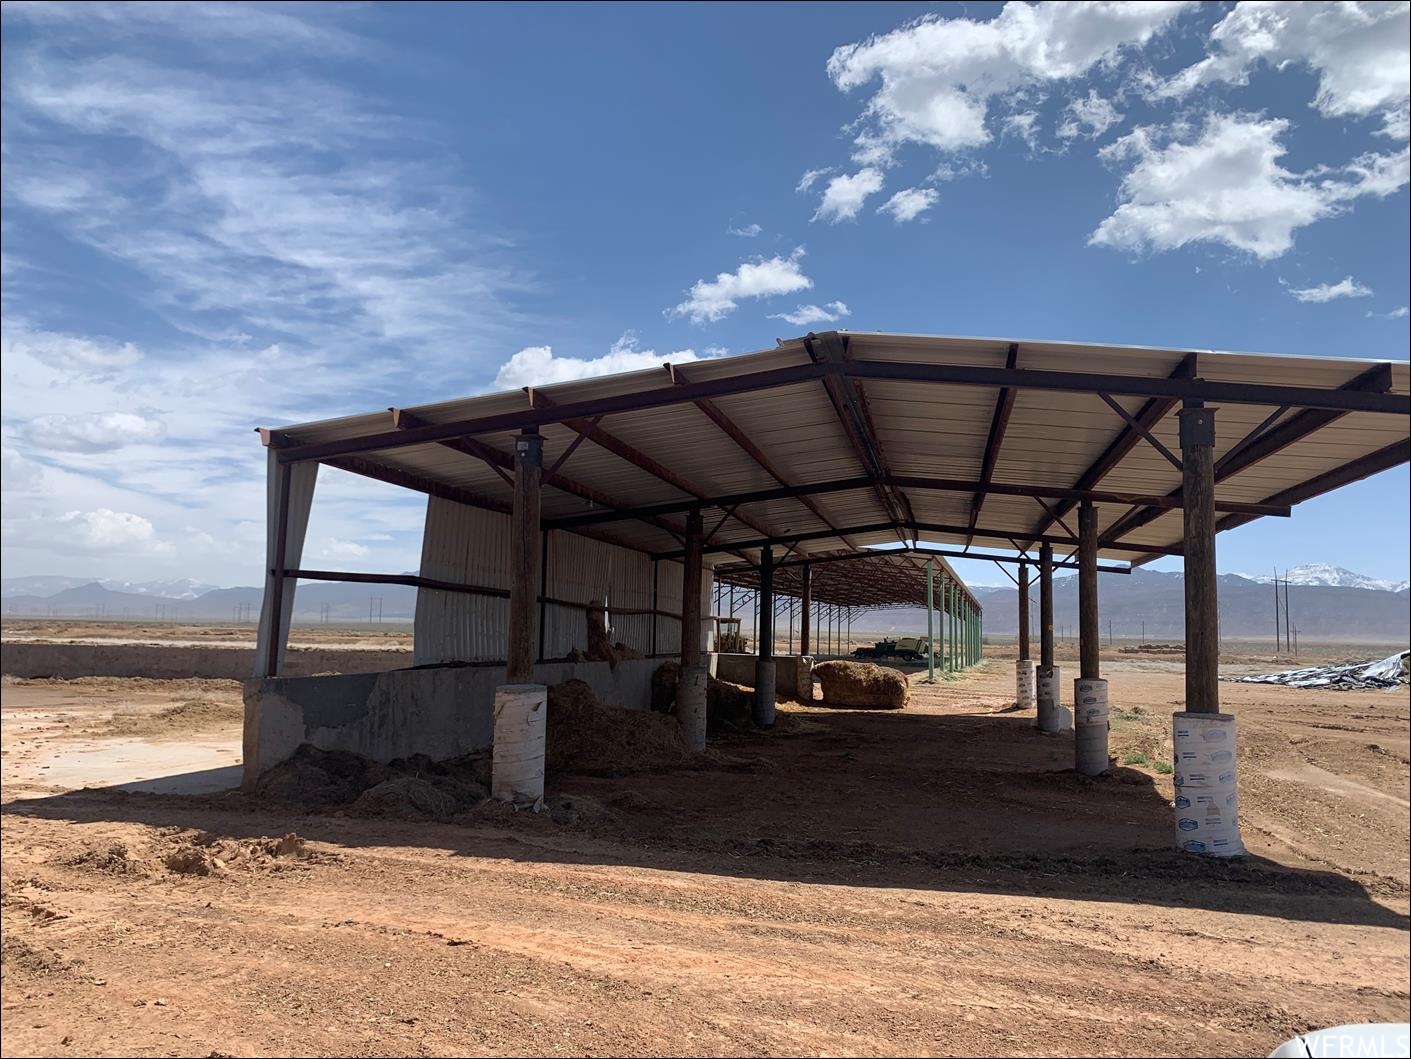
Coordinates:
<point>418,483</point>
<point>620,448</point>
<point>909,482</point>
<point>502,462</point>
<point>1147,435</point>
<point>1384,459</point>
<point>1151,413</point>
<point>923,527</point>
<point>1377,379</point>
<point>850,406</point>
<point>999,421</point>
<point>290,450</point>
<point>750,448</point>
<point>456,494</point>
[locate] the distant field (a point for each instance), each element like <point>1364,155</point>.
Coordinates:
<point>395,634</point>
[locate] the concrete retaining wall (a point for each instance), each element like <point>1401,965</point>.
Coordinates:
<point>792,673</point>
<point>443,711</point>
<point>170,661</point>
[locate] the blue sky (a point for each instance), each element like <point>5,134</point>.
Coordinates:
<point>221,216</point>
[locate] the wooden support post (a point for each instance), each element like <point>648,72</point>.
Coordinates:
<point>691,592</point>
<point>1046,605</point>
<point>1024,611</point>
<point>524,557</point>
<point>806,602</point>
<point>653,652</point>
<point>1088,593</point>
<point>762,710</point>
<point>765,612</point>
<point>1197,425</point>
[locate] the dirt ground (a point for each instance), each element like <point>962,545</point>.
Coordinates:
<point>928,882</point>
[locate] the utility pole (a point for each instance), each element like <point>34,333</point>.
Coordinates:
<point>1277,610</point>
<point>1288,642</point>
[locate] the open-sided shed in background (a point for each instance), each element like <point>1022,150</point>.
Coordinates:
<point>620,493</point>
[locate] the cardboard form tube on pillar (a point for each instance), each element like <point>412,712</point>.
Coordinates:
<point>517,761</point>
<point>762,710</point>
<point>691,706</point>
<point>1024,684</point>
<point>1091,726</point>
<point>1050,714</point>
<point>1204,782</point>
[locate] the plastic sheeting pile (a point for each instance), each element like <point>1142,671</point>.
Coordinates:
<point>1389,673</point>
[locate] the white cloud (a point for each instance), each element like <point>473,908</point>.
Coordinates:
<point>105,529</point>
<point>1358,50</point>
<point>69,352</point>
<point>334,548</point>
<point>1397,124</point>
<point>1090,117</point>
<point>909,204</point>
<point>18,474</point>
<point>936,77</point>
<point>811,176</point>
<point>1396,314</point>
<point>710,300</point>
<point>845,195</point>
<point>805,315</point>
<point>1223,183</point>
<point>746,231</point>
<point>538,366</point>
<point>1024,124</point>
<point>1348,287</point>
<point>99,432</point>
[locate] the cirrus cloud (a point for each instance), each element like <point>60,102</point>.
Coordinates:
<point>1348,287</point>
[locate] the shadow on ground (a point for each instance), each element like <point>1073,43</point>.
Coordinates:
<point>957,802</point>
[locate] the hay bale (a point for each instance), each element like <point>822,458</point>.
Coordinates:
<point>600,649</point>
<point>588,736</point>
<point>727,704</point>
<point>862,684</point>
<point>623,653</point>
<point>664,687</point>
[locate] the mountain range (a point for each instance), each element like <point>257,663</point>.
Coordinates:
<point>1326,602</point>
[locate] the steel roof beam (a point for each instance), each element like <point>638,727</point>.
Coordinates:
<point>620,448</point>
<point>728,427</point>
<point>963,375</point>
<point>921,527</point>
<point>850,406</point>
<point>1151,413</point>
<point>1376,380</point>
<point>999,421</point>
<point>956,485</point>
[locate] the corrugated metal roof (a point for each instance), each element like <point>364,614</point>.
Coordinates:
<point>677,453</point>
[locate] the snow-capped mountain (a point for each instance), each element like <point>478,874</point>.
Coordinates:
<point>1326,574</point>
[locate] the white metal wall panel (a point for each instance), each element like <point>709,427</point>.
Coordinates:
<point>471,546</point>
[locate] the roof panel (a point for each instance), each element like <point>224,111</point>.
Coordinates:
<point>923,429</point>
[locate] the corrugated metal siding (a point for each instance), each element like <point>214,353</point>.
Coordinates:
<point>470,546</point>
